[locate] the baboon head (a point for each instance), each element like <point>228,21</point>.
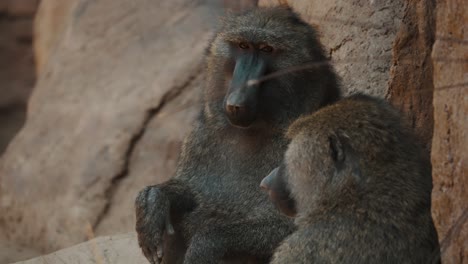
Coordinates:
<point>322,168</point>
<point>356,153</point>
<point>310,161</point>
<point>251,46</point>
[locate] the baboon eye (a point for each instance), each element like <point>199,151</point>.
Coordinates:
<point>267,49</point>
<point>243,45</point>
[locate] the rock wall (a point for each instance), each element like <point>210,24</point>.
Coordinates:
<point>450,140</point>
<point>358,35</point>
<point>119,249</point>
<point>411,76</point>
<point>116,68</point>
<point>51,20</point>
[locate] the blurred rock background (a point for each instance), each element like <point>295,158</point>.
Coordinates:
<point>17,78</point>
<point>118,86</point>
<point>17,74</point>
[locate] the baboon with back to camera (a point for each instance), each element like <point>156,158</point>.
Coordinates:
<point>359,185</point>
<point>213,210</point>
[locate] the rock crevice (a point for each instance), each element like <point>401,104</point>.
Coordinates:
<point>167,98</point>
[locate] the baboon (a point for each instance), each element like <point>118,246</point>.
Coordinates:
<point>212,210</point>
<point>361,186</point>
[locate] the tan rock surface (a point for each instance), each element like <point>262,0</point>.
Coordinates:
<point>358,34</point>
<point>119,249</point>
<point>411,76</point>
<point>450,141</point>
<point>11,252</point>
<point>118,66</point>
<point>155,154</point>
<point>51,19</point>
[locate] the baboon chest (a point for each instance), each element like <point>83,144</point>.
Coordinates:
<point>227,173</point>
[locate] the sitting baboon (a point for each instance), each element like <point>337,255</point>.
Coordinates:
<point>361,188</point>
<point>213,210</point>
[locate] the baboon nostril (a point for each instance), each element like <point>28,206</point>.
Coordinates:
<point>236,109</point>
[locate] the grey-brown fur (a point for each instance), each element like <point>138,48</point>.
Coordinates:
<point>362,186</point>
<point>214,203</point>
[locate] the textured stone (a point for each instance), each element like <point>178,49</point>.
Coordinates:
<point>411,81</point>
<point>450,140</point>
<point>155,154</point>
<point>117,66</point>
<point>358,35</point>
<point>51,19</point>
<point>119,249</point>
<point>11,252</point>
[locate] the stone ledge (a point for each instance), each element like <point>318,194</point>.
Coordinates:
<point>118,249</point>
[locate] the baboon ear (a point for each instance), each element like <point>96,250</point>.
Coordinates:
<point>337,148</point>
<point>344,156</point>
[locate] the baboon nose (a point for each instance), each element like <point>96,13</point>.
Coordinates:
<point>236,110</point>
<point>265,184</point>
<point>239,115</point>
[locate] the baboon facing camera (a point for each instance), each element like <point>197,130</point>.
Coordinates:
<point>213,210</point>
<point>359,185</point>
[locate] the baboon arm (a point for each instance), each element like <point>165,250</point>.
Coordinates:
<point>255,237</point>
<point>180,196</point>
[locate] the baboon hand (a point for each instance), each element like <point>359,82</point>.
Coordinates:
<point>152,221</point>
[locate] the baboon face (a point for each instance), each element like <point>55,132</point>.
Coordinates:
<point>322,168</point>
<point>252,46</point>
<point>316,166</point>
<point>277,187</point>
<point>299,182</point>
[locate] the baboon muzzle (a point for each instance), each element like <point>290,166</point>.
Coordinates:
<point>241,102</point>
<point>278,192</point>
